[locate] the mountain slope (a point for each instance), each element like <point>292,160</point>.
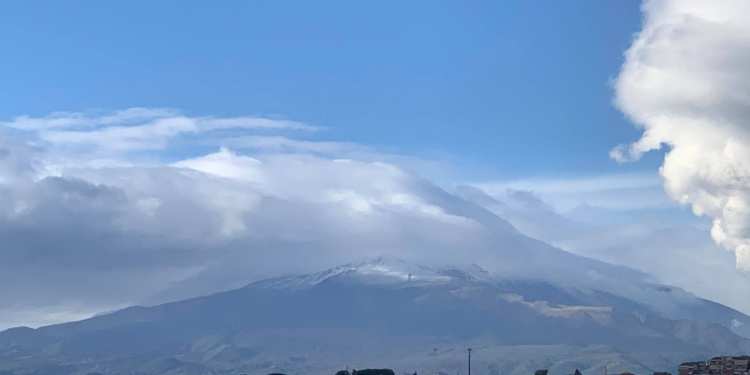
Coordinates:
<point>532,217</point>
<point>384,306</point>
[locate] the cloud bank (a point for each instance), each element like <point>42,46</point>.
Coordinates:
<point>172,214</point>
<point>686,83</point>
<point>102,210</point>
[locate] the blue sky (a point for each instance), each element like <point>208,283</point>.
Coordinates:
<point>511,90</point>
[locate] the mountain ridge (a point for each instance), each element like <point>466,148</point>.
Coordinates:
<point>377,300</point>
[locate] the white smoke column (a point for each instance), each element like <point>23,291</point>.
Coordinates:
<point>686,82</point>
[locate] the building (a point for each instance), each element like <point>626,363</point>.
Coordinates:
<point>693,368</point>
<point>726,365</point>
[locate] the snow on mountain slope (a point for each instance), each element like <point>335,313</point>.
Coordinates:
<point>471,272</point>
<point>602,290</point>
<point>392,272</point>
<point>377,300</point>
<point>382,270</point>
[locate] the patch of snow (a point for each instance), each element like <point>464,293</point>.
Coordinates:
<point>397,269</point>
<point>473,273</point>
<point>377,271</point>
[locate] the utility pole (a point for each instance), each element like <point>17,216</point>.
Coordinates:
<point>434,350</point>
<point>469,350</point>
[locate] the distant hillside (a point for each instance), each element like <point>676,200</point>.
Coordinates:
<point>383,312</point>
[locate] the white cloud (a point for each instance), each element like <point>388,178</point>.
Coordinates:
<point>253,123</point>
<point>624,191</point>
<point>587,184</point>
<point>81,235</point>
<point>136,128</point>
<point>153,135</point>
<point>685,82</point>
<point>285,144</point>
<point>226,164</point>
<point>67,120</point>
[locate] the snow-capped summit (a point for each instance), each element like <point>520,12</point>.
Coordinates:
<point>385,270</point>
<point>472,273</point>
<point>381,270</point>
<point>386,267</point>
<point>401,307</point>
